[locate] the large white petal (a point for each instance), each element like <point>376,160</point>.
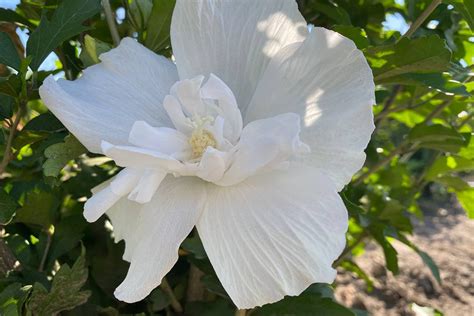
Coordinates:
<point>128,85</point>
<point>124,217</point>
<point>233,39</point>
<point>274,234</point>
<point>329,83</point>
<point>159,229</point>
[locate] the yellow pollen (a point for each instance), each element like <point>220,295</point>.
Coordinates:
<point>200,140</point>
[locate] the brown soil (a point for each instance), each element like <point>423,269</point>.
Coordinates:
<point>447,235</point>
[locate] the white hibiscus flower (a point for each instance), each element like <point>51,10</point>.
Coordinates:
<point>248,137</point>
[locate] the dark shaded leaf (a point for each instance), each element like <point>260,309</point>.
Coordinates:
<point>8,206</point>
<point>194,245</point>
<point>6,106</point>
<point>466,8</point>
<point>8,53</point>
<point>10,86</point>
<point>65,23</point>
<point>158,28</point>
<point>7,15</point>
<point>356,34</point>
<point>39,209</point>
<point>305,304</point>
<point>439,81</point>
<point>65,292</point>
<point>46,122</point>
<point>12,299</point>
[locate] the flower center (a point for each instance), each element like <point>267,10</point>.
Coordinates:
<point>201,139</point>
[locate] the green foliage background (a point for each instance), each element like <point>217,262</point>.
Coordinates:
<point>422,146</point>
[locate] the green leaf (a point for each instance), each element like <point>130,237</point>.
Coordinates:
<point>408,117</point>
<point>353,267</point>
<point>453,182</point>
<point>393,212</point>
<point>420,55</point>
<point>219,307</point>
<point>8,53</point>
<point>65,293</point>
<point>468,151</point>
<point>92,49</point>
<point>158,28</point>
<point>10,86</point>
<point>429,262</point>
<point>466,199</point>
<point>26,137</point>
<point>58,155</point>
<point>448,165</point>
<point>466,8</point>
<point>6,106</point>
<point>45,122</point>
<point>442,82</point>
<point>8,206</point>
<point>437,137</point>
<point>356,34</point>
<point>12,299</point>
<point>194,246</point>
<point>159,299</point>
<point>7,15</point>
<point>139,13</point>
<point>305,304</point>
<point>391,259</point>
<point>336,13</point>
<point>65,23</point>
<point>213,285</point>
<point>67,234</point>
<point>39,209</point>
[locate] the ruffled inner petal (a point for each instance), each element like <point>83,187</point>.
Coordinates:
<point>265,144</point>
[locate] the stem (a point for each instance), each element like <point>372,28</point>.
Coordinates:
<point>111,22</point>
<point>403,148</point>
<point>49,234</point>
<point>195,291</point>
<point>437,111</point>
<point>386,108</point>
<point>62,59</point>
<point>349,249</point>
<point>380,164</point>
<point>8,155</point>
<point>382,115</point>
<point>175,304</point>
<point>423,16</point>
<point>240,312</point>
